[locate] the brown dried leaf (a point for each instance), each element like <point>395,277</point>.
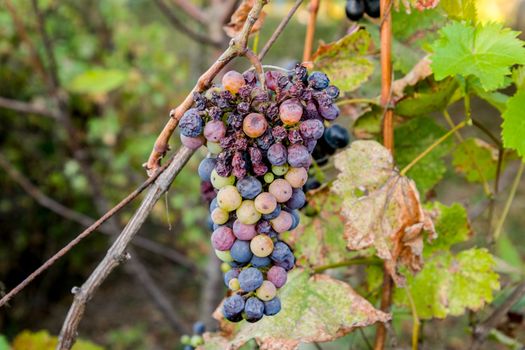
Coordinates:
<point>419,72</point>
<point>239,17</point>
<point>382,208</point>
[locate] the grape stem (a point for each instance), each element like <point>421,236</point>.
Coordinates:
<point>256,63</point>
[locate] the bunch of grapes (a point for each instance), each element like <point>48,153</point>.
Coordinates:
<point>259,140</point>
<point>355,9</point>
<point>190,342</point>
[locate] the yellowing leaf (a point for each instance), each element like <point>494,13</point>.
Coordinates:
<point>382,208</point>
<point>42,340</point>
<point>451,224</point>
<point>485,51</point>
<point>513,127</point>
<point>460,9</point>
<point>476,160</point>
<point>314,309</point>
<point>345,61</point>
<point>449,284</point>
<point>97,81</point>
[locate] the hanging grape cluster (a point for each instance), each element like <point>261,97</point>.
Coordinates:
<point>260,138</point>
<point>355,9</point>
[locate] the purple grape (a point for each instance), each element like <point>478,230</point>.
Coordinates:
<point>272,307</point>
<point>312,129</point>
<point>280,252</point>
<point>233,307</point>
<point>311,184</point>
<point>318,80</point>
<point>332,91</point>
<point>277,154</point>
<point>294,136</point>
<point>250,279</point>
<point>229,275</point>
<point>253,309</point>
<point>222,238</point>
<point>297,200</point>
<point>272,79</point>
<point>206,166</point>
<point>191,123</point>
<point>298,156</point>
<point>263,227</point>
<point>277,275</point>
<point>337,137</point>
<point>260,261</point>
<point>310,145</point>
<point>243,231</point>
<point>192,142</point>
<point>240,251</point>
<point>287,263</point>
<point>214,130</point>
<point>279,133</point>
<point>249,187</point>
<point>296,218</point>
<point>329,112</point>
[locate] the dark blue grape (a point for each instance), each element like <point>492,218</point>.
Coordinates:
<point>240,251</point>
<point>277,154</point>
<point>263,227</point>
<point>199,328</point>
<point>233,307</point>
<point>337,137</point>
<point>273,214</point>
<point>288,262</point>
<point>191,123</point>
<point>297,200</point>
<point>318,80</point>
<point>354,9</point>
<point>272,307</point>
<point>332,91</point>
<point>206,166</point>
<point>280,251</point>
<point>233,273</point>
<point>210,223</point>
<point>260,262</point>
<point>188,347</point>
<point>328,111</point>
<point>311,184</point>
<point>249,187</point>
<point>298,156</point>
<point>253,309</point>
<point>250,279</point>
<point>295,217</point>
<point>372,8</point>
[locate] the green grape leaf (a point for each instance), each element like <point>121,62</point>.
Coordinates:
<point>381,208</point>
<point>42,340</point>
<point>476,160</point>
<point>319,239</point>
<point>460,9</point>
<point>513,127</point>
<point>451,224</point>
<point>345,61</point>
<point>97,81</point>
<point>412,138</point>
<point>485,51</point>
<point>449,284</point>
<point>314,309</point>
<point>4,344</point>
<point>427,98</point>
<point>369,124</point>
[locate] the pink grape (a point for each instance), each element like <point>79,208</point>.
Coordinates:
<point>243,232</point>
<point>214,131</point>
<point>233,81</point>
<point>254,125</point>
<point>222,238</point>
<point>261,246</point>
<point>291,111</point>
<point>283,222</point>
<point>192,142</point>
<point>277,275</point>
<point>281,190</point>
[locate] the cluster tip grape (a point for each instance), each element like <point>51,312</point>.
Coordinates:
<point>260,141</point>
<point>355,9</point>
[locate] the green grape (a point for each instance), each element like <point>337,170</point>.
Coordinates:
<point>219,216</point>
<point>234,284</point>
<point>185,339</point>
<point>261,245</point>
<point>224,255</point>
<point>214,147</point>
<point>279,170</point>
<point>268,178</point>
<point>220,181</point>
<point>196,340</point>
<point>229,198</point>
<point>265,203</point>
<point>225,267</point>
<point>296,177</point>
<point>247,214</point>
<point>266,291</point>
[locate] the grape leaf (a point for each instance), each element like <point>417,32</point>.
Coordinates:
<point>485,51</point>
<point>4,345</point>
<point>451,224</point>
<point>319,240</point>
<point>513,127</point>
<point>345,61</point>
<point>97,81</point>
<point>368,125</point>
<point>42,340</point>
<point>449,284</point>
<point>382,208</point>
<point>476,160</point>
<point>412,138</point>
<point>460,9</point>
<point>314,309</point>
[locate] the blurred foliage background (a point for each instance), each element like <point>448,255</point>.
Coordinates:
<point>121,65</point>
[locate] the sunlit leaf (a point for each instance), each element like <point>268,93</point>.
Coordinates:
<point>42,340</point>
<point>460,9</point>
<point>513,127</point>
<point>97,81</point>
<point>314,308</point>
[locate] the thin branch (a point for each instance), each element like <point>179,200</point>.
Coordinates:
<point>256,63</point>
<point>482,330</point>
<point>192,10</point>
<point>415,319</point>
<point>117,253</point>
<point>82,219</point>
<point>180,26</point>
<point>81,236</point>
<point>279,29</point>
<point>26,107</point>
<point>313,8</point>
<point>508,203</point>
<point>487,132</point>
<point>236,48</point>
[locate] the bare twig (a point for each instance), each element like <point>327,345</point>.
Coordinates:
<point>313,8</point>
<point>87,221</point>
<point>180,26</point>
<point>483,329</point>
<point>192,10</point>
<point>117,253</point>
<point>236,48</point>
<point>256,63</point>
<point>279,29</point>
<point>26,107</point>
<point>81,236</point>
